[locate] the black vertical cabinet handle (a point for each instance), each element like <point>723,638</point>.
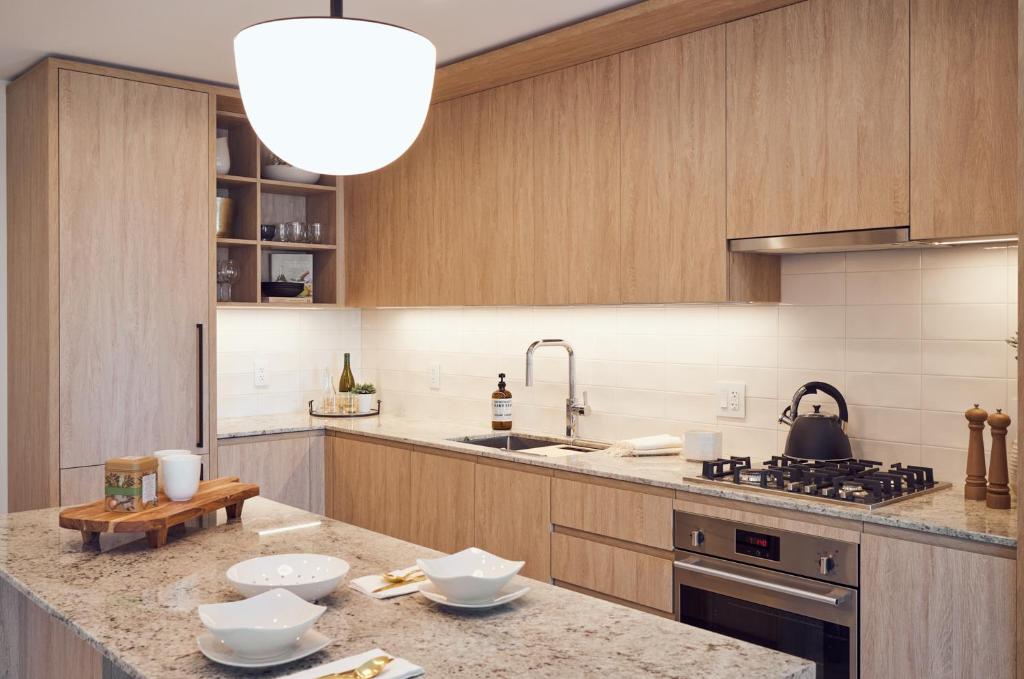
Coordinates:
<point>199,382</point>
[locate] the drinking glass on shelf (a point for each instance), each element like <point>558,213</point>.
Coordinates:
<point>293,232</point>
<point>281,236</point>
<point>227,273</point>
<point>314,233</point>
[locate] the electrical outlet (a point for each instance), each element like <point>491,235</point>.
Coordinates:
<point>259,374</point>
<point>731,399</point>
<point>435,375</point>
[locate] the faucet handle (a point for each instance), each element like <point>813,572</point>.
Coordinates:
<point>585,408</point>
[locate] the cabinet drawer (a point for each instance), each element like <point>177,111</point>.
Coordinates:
<point>628,515</point>
<point>624,574</point>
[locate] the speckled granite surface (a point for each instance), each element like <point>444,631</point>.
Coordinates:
<point>943,512</point>
<point>138,606</point>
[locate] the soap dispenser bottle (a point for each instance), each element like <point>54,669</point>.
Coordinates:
<point>501,406</point>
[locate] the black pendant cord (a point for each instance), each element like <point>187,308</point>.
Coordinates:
<point>338,9</point>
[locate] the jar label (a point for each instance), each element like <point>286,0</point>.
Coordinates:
<point>149,488</point>
<point>501,410</point>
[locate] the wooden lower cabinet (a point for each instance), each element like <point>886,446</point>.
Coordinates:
<point>933,611</point>
<point>617,572</point>
<point>282,466</point>
<point>441,499</point>
<point>513,516</point>
<point>616,512</point>
<point>369,485</point>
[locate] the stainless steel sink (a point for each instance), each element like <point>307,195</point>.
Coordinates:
<point>508,442</point>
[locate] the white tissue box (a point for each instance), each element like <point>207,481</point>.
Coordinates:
<point>702,445</point>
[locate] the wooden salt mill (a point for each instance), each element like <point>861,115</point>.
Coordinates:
<point>998,495</point>
<point>974,484</point>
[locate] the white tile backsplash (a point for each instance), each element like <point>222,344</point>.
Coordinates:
<point>912,338</point>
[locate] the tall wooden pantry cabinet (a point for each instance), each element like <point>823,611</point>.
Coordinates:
<point>109,275</point>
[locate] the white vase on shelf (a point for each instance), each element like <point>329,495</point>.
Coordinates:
<point>223,155</point>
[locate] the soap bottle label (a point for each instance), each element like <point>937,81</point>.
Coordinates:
<point>501,410</point>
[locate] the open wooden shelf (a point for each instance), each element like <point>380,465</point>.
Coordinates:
<point>295,247</point>
<point>235,180</point>
<point>295,188</point>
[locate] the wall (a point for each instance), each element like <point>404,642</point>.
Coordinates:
<point>295,344</point>
<point>911,337</point>
<point>3,297</point>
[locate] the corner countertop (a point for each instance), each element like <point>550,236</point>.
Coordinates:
<point>137,606</point>
<point>944,512</point>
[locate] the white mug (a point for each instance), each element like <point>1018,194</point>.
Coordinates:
<point>160,455</point>
<point>181,475</point>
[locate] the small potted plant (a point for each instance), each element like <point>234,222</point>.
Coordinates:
<point>365,392</point>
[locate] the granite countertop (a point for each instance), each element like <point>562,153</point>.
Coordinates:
<point>944,512</point>
<point>137,606</point>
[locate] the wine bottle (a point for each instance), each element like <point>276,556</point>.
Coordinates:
<point>346,382</point>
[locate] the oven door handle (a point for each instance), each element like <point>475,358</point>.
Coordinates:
<point>761,584</point>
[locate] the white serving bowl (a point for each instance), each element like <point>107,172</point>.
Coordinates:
<point>264,626</point>
<point>469,576</point>
<point>310,576</point>
<point>287,173</point>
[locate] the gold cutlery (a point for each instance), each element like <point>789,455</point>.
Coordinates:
<point>391,577</point>
<point>368,670</point>
<point>401,583</point>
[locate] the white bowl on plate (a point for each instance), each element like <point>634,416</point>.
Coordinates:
<point>287,173</point>
<point>469,576</point>
<point>264,626</point>
<point>310,576</point>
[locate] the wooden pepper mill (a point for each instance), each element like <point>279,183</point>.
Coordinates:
<point>974,484</point>
<point>998,495</point>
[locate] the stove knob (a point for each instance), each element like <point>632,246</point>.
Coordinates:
<point>696,538</point>
<point>826,564</point>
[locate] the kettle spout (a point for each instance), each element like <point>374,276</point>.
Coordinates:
<point>787,418</point>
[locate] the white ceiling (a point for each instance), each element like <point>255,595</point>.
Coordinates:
<point>192,38</point>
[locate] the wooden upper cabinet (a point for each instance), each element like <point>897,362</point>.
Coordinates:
<point>673,169</point>
<point>135,253</point>
<point>964,118</point>
<point>819,118</point>
<point>577,235</point>
<point>362,246</point>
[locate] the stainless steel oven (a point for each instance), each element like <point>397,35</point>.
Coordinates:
<point>788,591</point>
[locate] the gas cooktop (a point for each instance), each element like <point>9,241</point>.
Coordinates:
<point>862,483</point>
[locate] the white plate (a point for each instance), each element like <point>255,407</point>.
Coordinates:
<point>507,594</point>
<point>309,643</point>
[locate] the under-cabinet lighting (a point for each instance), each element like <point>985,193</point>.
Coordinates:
<point>977,241</point>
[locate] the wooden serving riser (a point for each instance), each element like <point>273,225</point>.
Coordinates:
<point>94,518</point>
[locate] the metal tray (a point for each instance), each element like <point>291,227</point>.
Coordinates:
<point>344,415</point>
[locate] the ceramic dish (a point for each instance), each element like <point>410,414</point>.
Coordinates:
<point>310,576</point>
<point>265,626</point>
<point>287,173</point>
<point>309,643</point>
<point>509,593</point>
<point>469,576</point>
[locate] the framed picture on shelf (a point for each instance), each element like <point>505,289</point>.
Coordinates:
<point>294,268</point>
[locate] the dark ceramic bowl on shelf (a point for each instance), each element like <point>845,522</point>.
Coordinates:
<point>281,288</point>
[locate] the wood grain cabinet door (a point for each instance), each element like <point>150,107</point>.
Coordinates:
<point>819,118</point>
<point>280,466</point>
<point>673,169</point>
<point>441,501</point>
<point>369,485</point>
<point>134,267</point>
<point>513,517</point>
<point>964,146</point>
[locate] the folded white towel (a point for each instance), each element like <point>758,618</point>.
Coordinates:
<point>368,583</point>
<point>662,444</point>
<point>399,668</point>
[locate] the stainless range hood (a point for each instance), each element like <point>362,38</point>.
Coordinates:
<point>851,241</point>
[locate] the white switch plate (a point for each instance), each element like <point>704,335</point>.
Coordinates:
<point>731,399</point>
<point>259,373</point>
<point>435,375</point>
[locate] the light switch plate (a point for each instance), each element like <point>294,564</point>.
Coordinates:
<point>731,399</point>
<point>435,375</point>
<point>259,373</point>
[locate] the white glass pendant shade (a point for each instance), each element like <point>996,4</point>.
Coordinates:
<point>335,96</point>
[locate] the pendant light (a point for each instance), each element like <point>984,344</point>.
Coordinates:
<point>333,95</point>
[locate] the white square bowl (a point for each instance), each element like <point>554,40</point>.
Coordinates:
<point>264,626</point>
<point>469,576</point>
<point>310,576</point>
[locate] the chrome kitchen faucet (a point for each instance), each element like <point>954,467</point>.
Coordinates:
<point>573,409</point>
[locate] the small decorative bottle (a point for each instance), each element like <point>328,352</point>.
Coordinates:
<point>501,406</point>
<point>329,401</point>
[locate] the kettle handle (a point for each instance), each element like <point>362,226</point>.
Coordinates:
<point>814,388</point>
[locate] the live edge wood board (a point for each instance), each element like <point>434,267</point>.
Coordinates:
<point>224,493</point>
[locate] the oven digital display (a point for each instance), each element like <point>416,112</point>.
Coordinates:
<point>761,545</point>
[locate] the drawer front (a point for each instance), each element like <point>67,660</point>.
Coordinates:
<point>624,574</point>
<point>614,512</point>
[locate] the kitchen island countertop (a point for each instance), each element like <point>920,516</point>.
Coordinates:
<point>944,512</point>
<point>137,606</point>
